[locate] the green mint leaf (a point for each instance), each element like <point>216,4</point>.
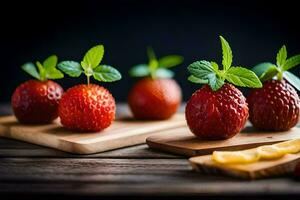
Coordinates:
<point>214,82</point>
<point>291,62</point>
<point>265,71</point>
<point>269,74</point>
<point>170,61</point>
<point>242,77</point>
<point>227,54</point>
<point>153,62</point>
<point>50,68</point>
<point>194,79</point>
<point>164,73</point>
<point>215,66</point>
<point>71,68</point>
<point>292,79</point>
<point>50,62</point>
<point>151,54</point>
<point>206,72</point>
<point>93,57</point>
<point>54,73</point>
<point>201,69</point>
<point>153,65</point>
<point>281,56</point>
<point>139,71</point>
<point>42,71</point>
<point>261,68</point>
<point>106,73</point>
<point>31,69</point>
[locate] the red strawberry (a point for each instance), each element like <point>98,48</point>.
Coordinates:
<point>218,110</point>
<point>154,99</point>
<point>157,96</point>
<point>87,108</point>
<point>216,115</point>
<point>36,101</point>
<point>276,106</point>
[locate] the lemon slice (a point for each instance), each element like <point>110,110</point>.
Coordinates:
<point>233,157</point>
<point>291,146</point>
<point>267,152</point>
<point>270,152</point>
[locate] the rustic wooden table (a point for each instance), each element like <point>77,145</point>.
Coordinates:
<point>27,169</point>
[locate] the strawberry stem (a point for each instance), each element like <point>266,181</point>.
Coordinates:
<point>152,74</point>
<point>88,80</point>
<point>221,74</point>
<point>280,76</point>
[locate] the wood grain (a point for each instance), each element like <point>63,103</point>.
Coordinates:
<point>181,189</point>
<point>126,176</point>
<point>181,141</point>
<point>260,169</point>
<point>122,133</point>
<point>87,170</point>
<point>17,149</point>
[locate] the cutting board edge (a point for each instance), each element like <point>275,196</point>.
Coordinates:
<point>83,148</point>
<point>166,148</point>
<point>199,152</point>
<point>266,172</point>
<point>71,147</point>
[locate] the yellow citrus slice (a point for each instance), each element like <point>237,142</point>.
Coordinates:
<point>269,152</point>
<point>291,146</point>
<point>234,157</point>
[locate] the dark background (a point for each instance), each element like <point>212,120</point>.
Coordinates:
<point>33,30</point>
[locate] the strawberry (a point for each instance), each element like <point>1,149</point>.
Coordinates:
<point>88,107</point>
<point>218,110</point>
<point>36,101</point>
<point>156,96</point>
<point>209,112</point>
<point>276,106</point>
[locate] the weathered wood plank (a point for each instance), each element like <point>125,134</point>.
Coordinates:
<point>211,187</point>
<point>88,165</point>
<point>94,170</point>
<point>126,176</point>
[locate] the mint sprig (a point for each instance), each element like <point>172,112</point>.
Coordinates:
<point>227,54</point>
<point>90,66</point>
<point>205,72</point>
<point>156,68</point>
<point>267,71</point>
<point>44,71</point>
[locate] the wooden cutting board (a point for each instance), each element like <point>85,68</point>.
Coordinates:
<point>182,141</point>
<point>121,133</point>
<point>261,169</point>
